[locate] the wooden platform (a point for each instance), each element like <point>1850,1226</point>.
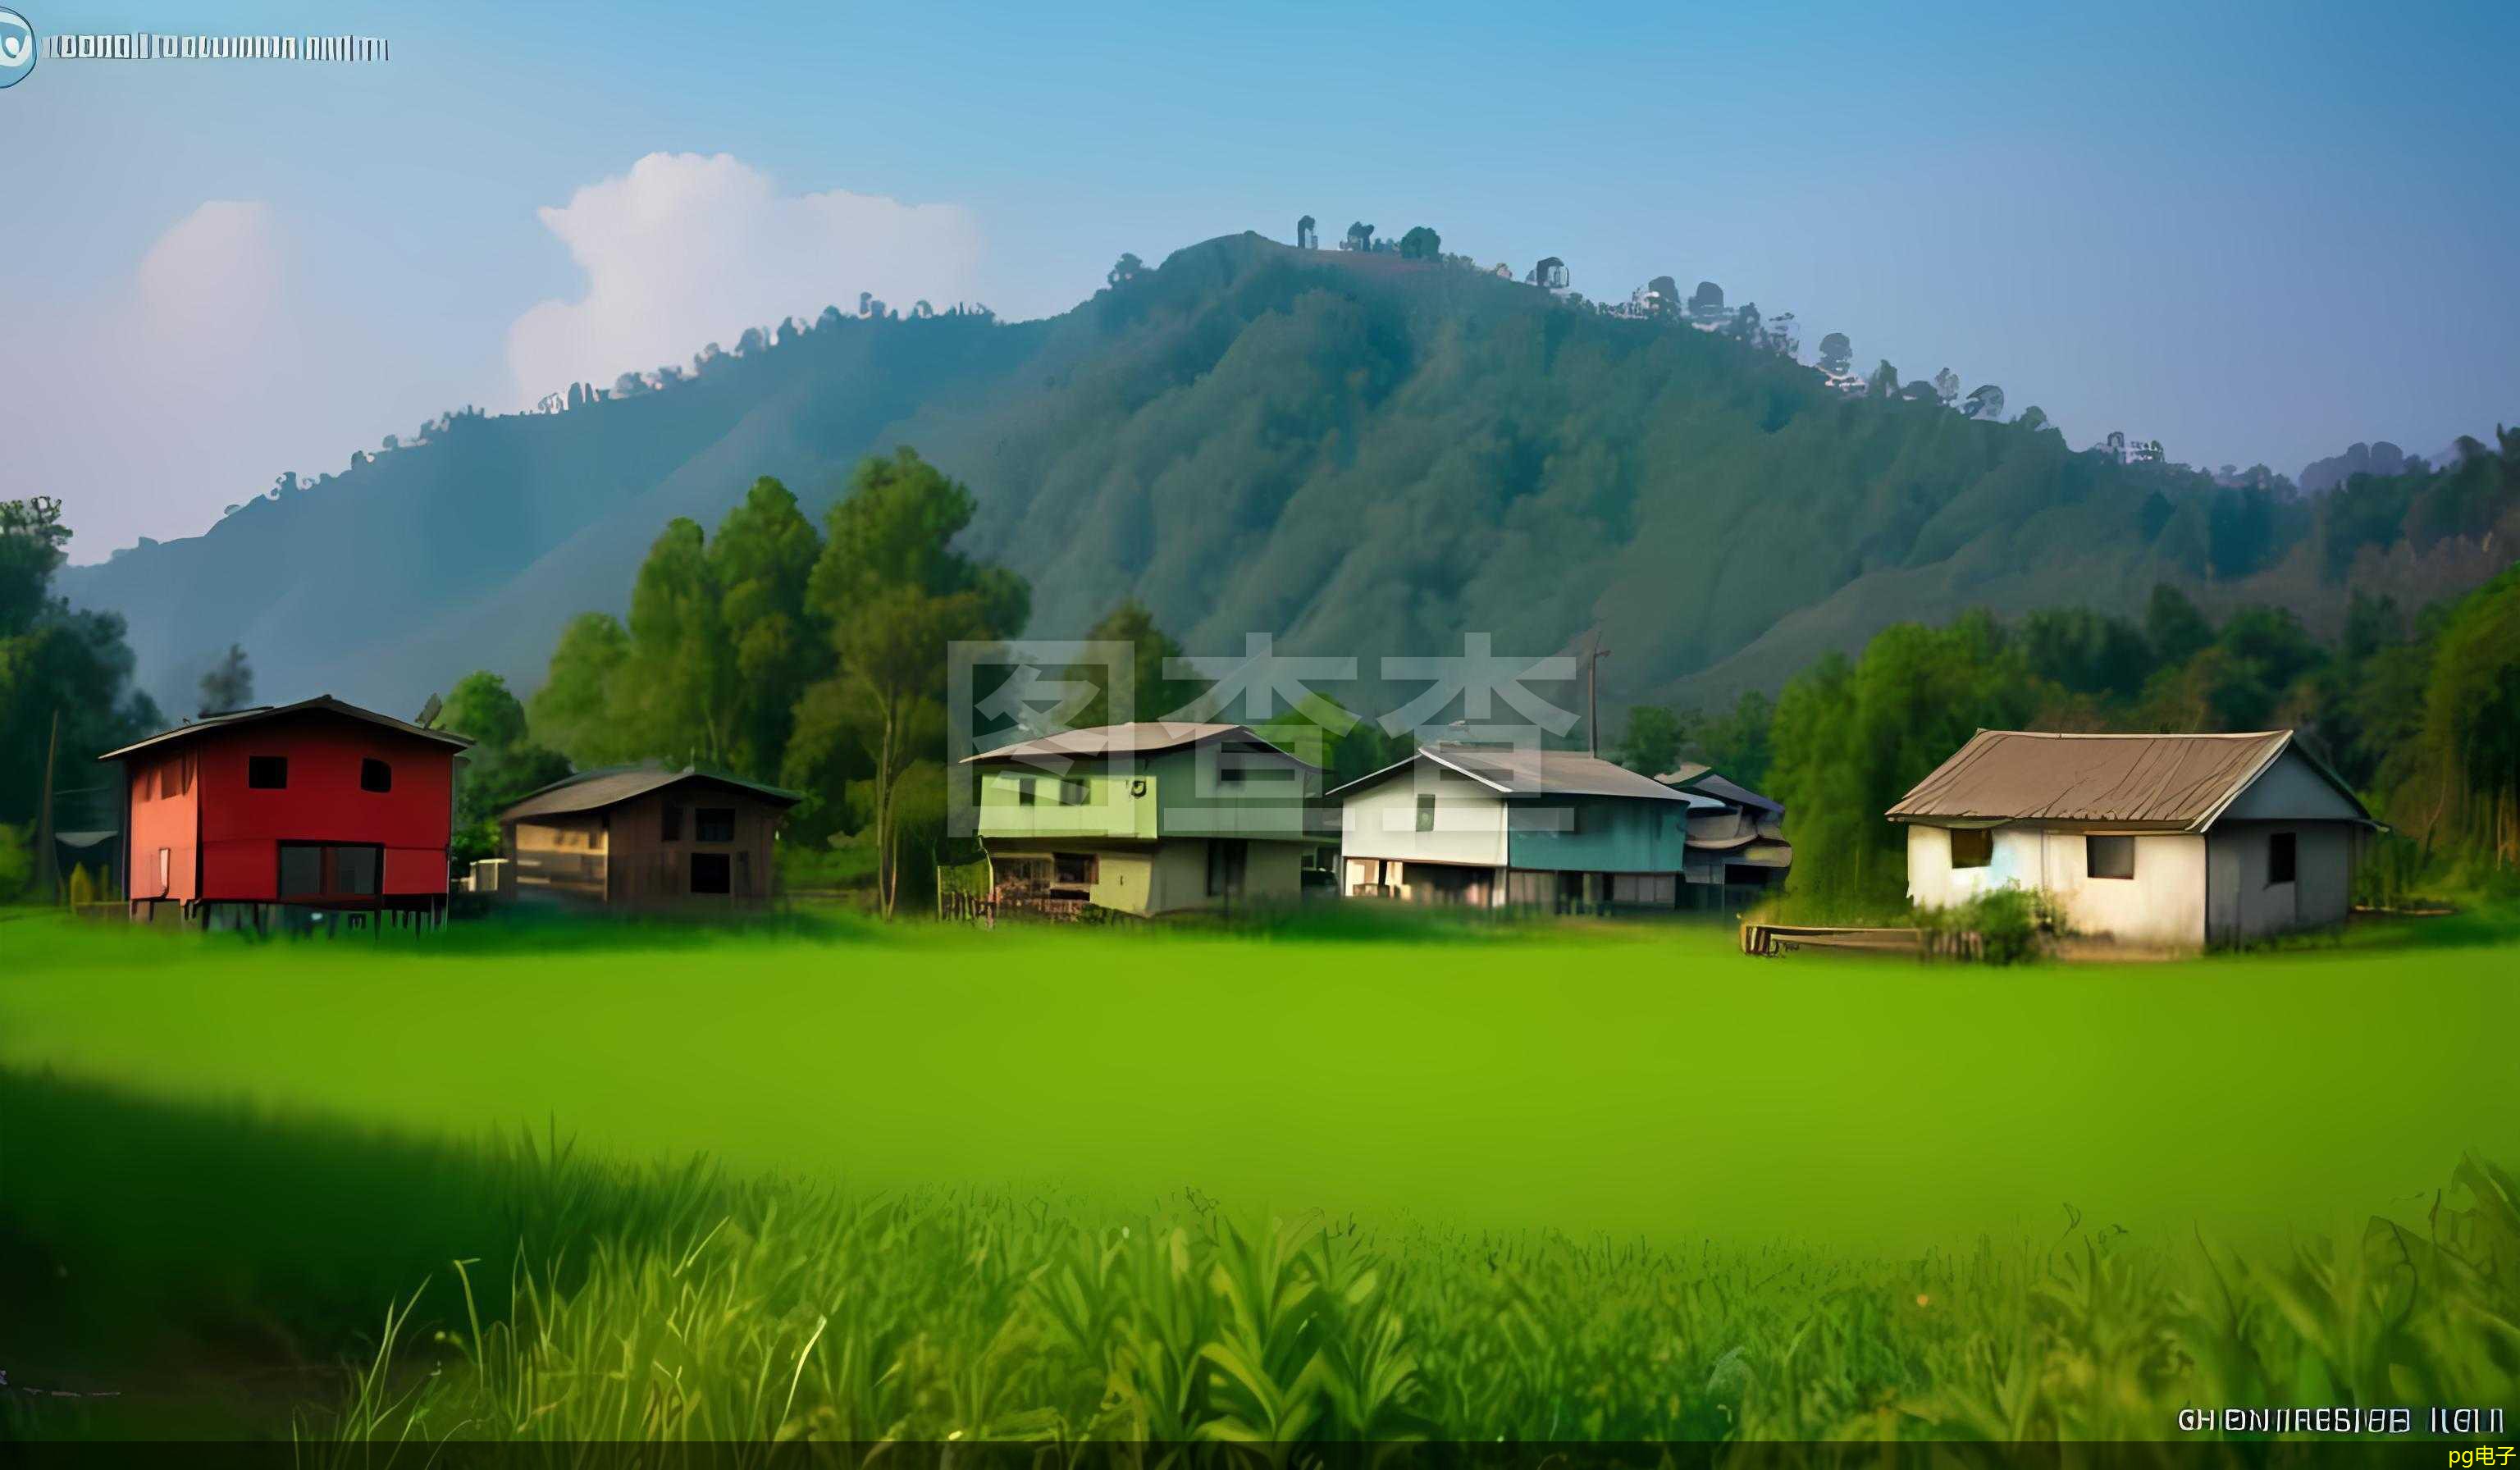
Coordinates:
<point>1785,939</point>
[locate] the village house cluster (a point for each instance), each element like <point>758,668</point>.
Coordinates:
<point>279,815</point>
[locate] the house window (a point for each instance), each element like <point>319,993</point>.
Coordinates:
<point>355,870</point>
<point>1023,790</point>
<point>1075,867</point>
<point>2109,857</point>
<point>1654,889</point>
<point>1071,793</point>
<point>2282,858</point>
<point>267,773</point>
<point>1226,858</point>
<point>1426,812</point>
<point>673,832</point>
<point>712,872</point>
<point>1972,846</point>
<point>713,825</point>
<point>315,870</point>
<point>165,871</point>
<point>375,775</point>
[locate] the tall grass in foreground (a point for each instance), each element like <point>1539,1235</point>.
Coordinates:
<point>774,1310</point>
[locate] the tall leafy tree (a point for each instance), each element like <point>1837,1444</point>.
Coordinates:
<point>1734,742</point>
<point>2177,630</point>
<point>60,670</point>
<point>1650,745</point>
<point>762,559</point>
<point>576,711</point>
<point>2472,719</point>
<point>1852,737</point>
<point>503,766</point>
<point>897,595</point>
<point>1153,694</point>
<point>681,675</point>
<point>229,685</point>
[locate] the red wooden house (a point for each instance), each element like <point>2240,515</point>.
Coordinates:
<point>317,805</point>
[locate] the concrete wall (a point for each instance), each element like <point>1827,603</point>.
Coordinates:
<point>2188,890</point>
<point>2289,790</point>
<point>1382,821</point>
<point>2245,907</point>
<point>2163,904</point>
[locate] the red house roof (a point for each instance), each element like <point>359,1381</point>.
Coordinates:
<point>320,704</point>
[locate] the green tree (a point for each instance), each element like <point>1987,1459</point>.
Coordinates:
<point>1153,694</point>
<point>679,684</point>
<point>502,768</point>
<point>2173,627</point>
<point>60,669</point>
<point>1737,742</point>
<point>1651,744</point>
<point>898,595</point>
<point>1851,739</point>
<point>1422,243</point>
<point>1326,733</point>
<point>480,706</point>
<point>575,711</point>
<point>2472,720</point>
<point>229,685</point>
<point>761,559</point>
<point>1884,381</point>
<point>2087,652</point>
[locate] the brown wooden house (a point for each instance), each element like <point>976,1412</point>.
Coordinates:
<point>645,838</point>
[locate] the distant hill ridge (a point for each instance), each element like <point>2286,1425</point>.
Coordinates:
<point>1359,454</point>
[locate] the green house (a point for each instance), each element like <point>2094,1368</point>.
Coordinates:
<point>1158,817</point>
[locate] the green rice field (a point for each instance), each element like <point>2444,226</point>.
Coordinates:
<point>1360,1181</point>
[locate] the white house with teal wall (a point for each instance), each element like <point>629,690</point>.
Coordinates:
<point>1496,827</point>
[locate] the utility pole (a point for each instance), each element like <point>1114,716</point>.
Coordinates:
<point>48,876</point>
<point>1593,695</point>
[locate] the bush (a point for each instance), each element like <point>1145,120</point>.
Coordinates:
<point>2004,927</point>
<point>17,862</point>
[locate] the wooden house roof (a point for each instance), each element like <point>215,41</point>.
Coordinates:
<point>593,790</point>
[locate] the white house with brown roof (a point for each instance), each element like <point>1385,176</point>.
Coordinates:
<point>2182,841</point>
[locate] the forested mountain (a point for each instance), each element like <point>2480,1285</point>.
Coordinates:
<point>1358,453</point>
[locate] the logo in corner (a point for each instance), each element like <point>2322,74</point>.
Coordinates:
<point>16,48</point>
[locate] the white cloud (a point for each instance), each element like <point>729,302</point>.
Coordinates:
<point>686,250</point>
<point>208,291</point>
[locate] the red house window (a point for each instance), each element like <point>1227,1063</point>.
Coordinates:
<point>330,871</point>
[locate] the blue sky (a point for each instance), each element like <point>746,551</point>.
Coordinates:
<point>2254,231</point>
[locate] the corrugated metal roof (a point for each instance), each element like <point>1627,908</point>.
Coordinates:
<point>1543,773</point>
<point>2172,783</point>
<point>1141,738</point>
<point>321,704</point>
<point>593,790</point>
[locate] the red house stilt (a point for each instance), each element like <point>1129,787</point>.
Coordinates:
<point>317,805</point>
